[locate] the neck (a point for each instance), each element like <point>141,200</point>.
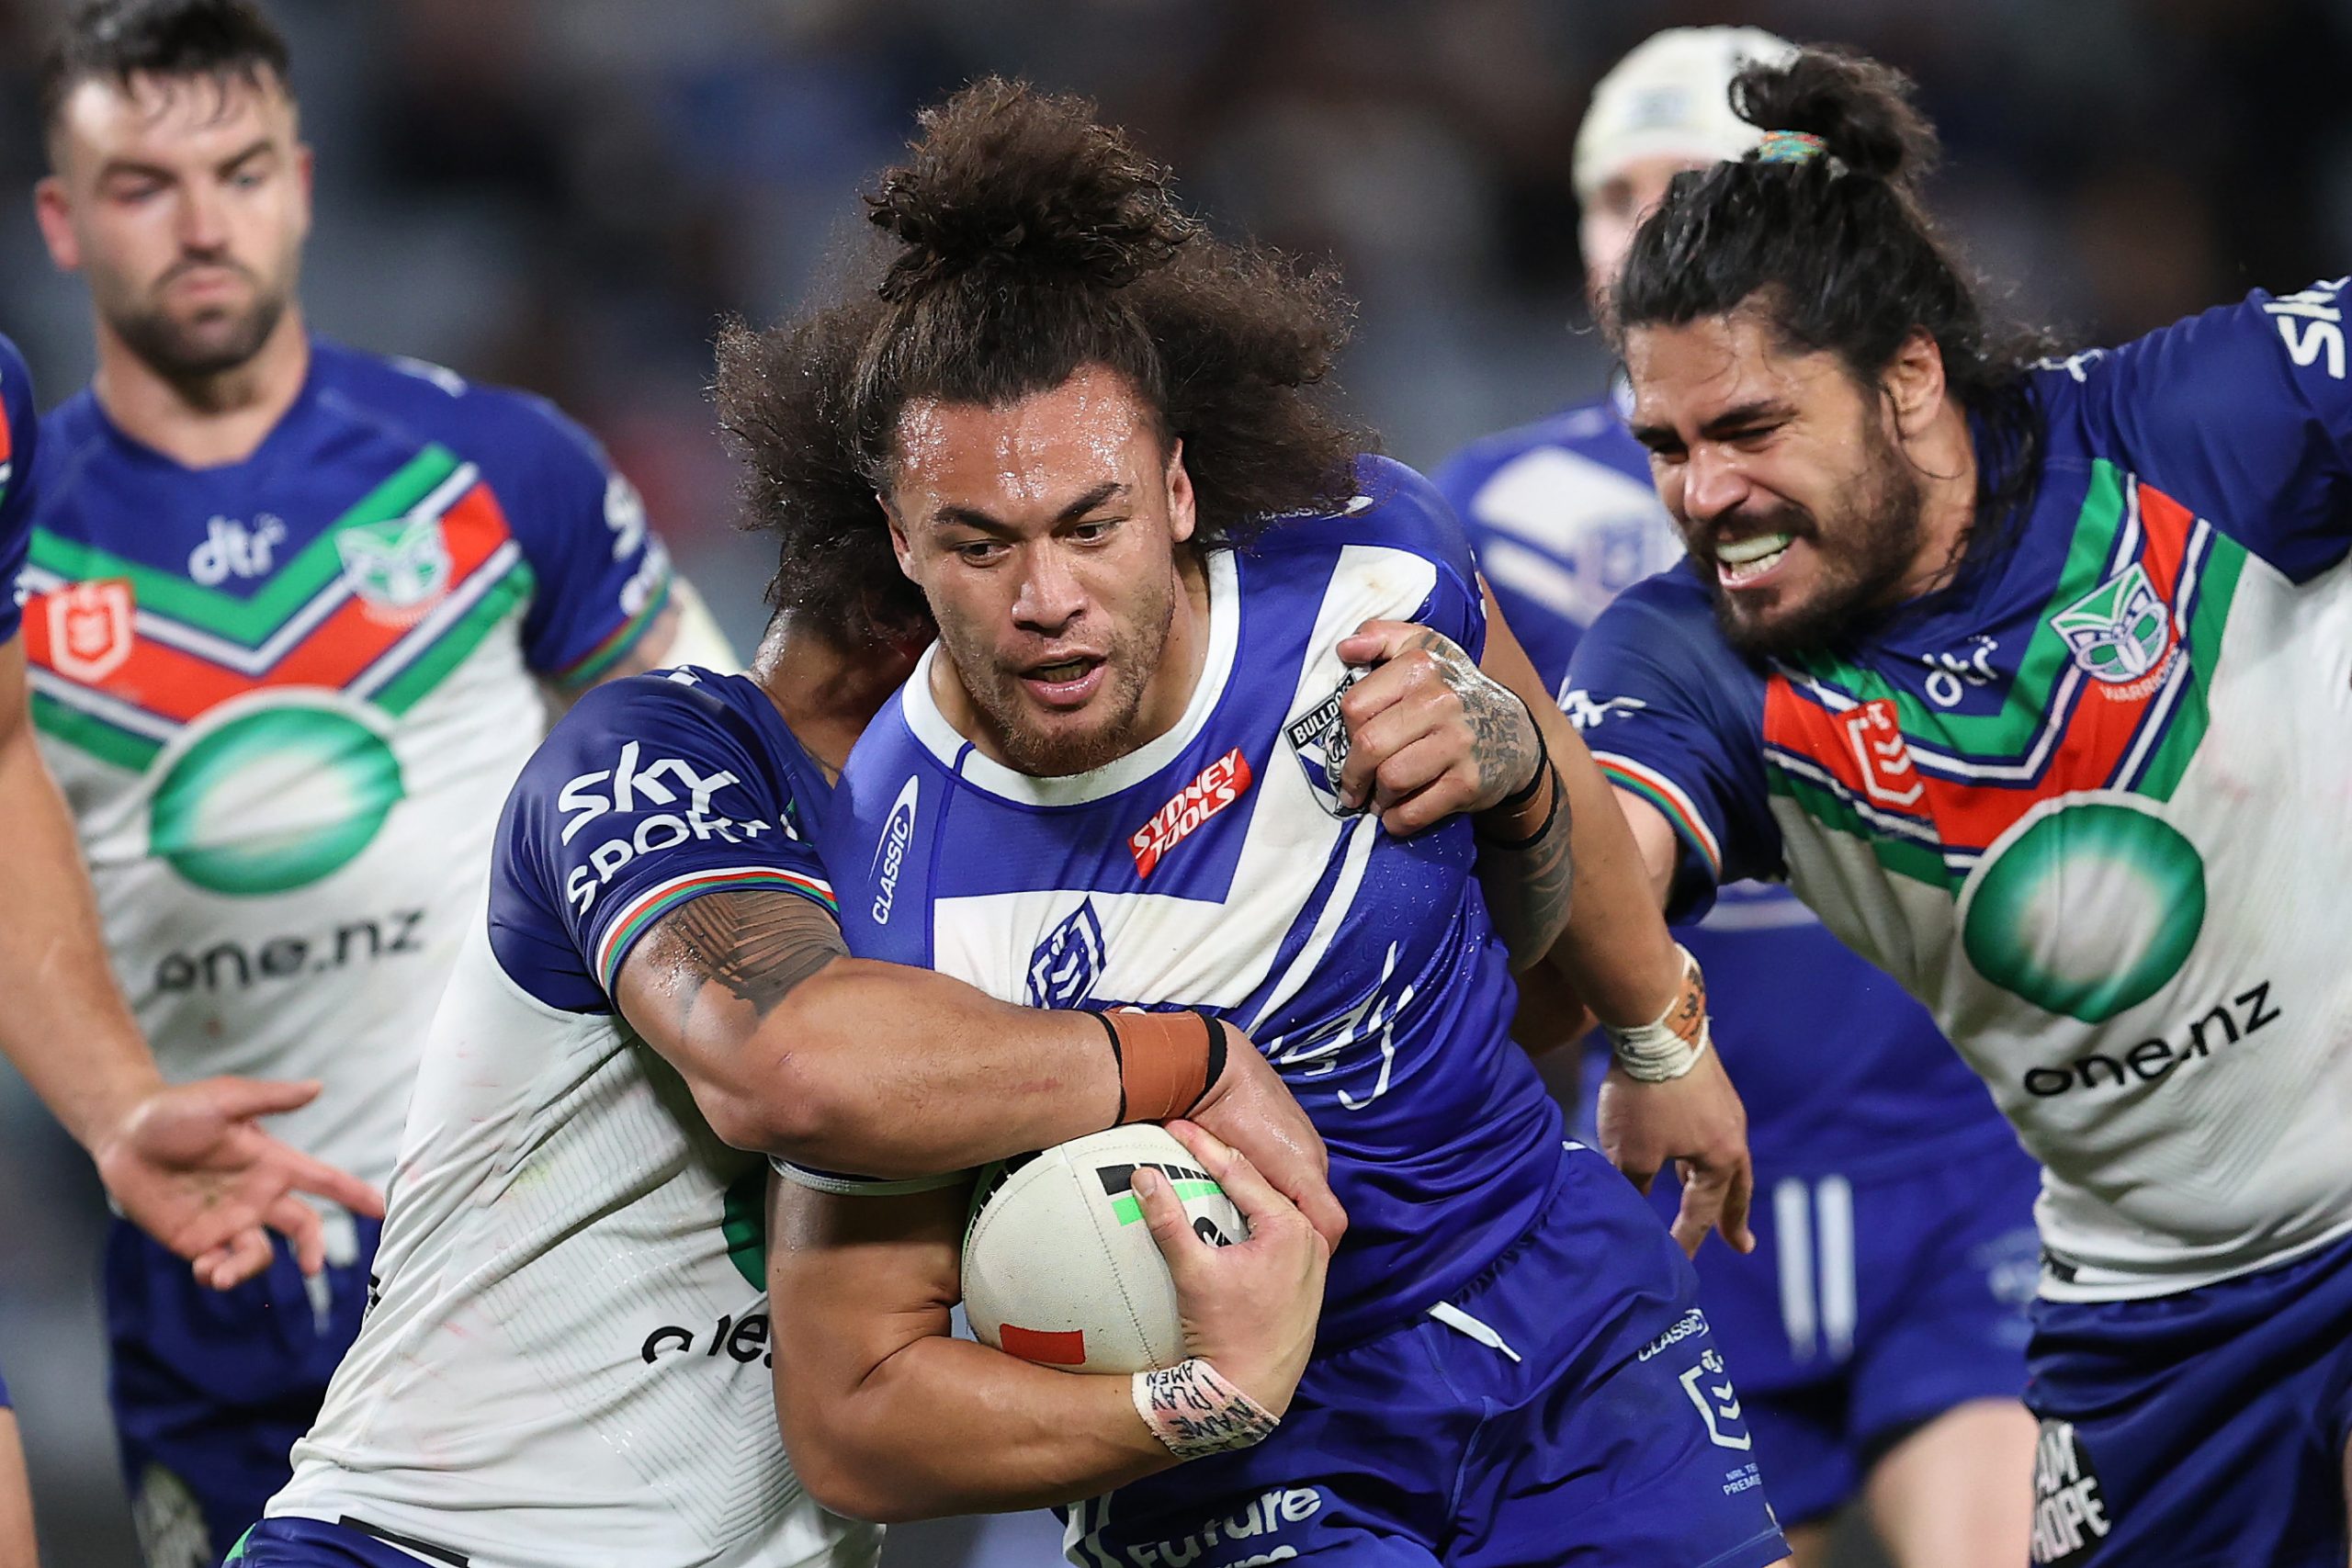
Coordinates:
<point>827,694</point>
<point>204,420</point>
<point>1944,455</point>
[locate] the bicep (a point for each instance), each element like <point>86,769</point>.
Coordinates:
<point>853,1280</point>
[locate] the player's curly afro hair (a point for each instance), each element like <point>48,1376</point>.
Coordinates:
<point>1030,240</point>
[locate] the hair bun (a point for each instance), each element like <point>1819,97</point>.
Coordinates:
<point>1006,176</point>
<point>1861,110</point>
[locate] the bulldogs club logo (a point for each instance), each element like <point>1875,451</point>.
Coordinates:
<point>1319,738</point>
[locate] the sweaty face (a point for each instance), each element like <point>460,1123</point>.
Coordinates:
<point>1045,535</point>
<point>185,201</point>
<point>1783,476</point>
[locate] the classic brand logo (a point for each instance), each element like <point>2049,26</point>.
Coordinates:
<point>890,848</point>
<point>401,565</point>
<point>90,628</point>
<point>2120,630</point>
<point>1875,735</point>
<point>1220,784</point>
<point>1320,738</point>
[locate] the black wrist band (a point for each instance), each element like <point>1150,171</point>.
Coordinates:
<point>1118,1062</point>
<point>1494,842</point>
<point>1216,1057</point>
<point>1526,792</point>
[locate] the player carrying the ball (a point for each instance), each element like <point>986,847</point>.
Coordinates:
<point>2114,867</point>
<point>1124,775</point>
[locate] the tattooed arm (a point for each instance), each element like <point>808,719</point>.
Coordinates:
<point>794,1049</point>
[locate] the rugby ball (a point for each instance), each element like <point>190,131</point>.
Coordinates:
<point>1060,1268</point>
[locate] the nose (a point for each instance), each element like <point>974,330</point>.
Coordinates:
<point>1051,595</point>
<point>203,226</point>
<point>1713,483</point>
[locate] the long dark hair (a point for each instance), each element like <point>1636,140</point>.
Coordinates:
<point>1030,240</point>
<point>1839,253</point>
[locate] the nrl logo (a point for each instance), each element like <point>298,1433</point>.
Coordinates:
<point>1319,738</point>
<point>90,628</point>
<point>2120,630</point>
<point>401,565</point>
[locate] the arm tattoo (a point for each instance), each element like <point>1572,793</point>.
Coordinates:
<point>757,946</point>
<point>1528,884</point>
<point>1502,739</point>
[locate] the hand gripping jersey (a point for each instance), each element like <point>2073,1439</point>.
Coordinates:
<point>1211,869</point>
<point>284,697</point>
<point>1840,1071</point>
<point>18,429</point>
<point>568,1359</point>
<point>2089,802</point>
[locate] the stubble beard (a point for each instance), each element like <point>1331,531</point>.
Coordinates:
<point>1060,752</point>
<point>212,344</point>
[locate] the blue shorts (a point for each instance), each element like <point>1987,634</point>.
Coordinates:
<point>1568,1407</point>
<point>1873,1303</point>
<point>211,1388</point>
<point>313,1543</point>
<point>2205,1429</point>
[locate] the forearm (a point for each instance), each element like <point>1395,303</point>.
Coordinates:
<point>949,1427</point>
<point>1615,952</point>
<point>65,1026</point>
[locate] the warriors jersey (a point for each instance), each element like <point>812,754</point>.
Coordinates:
<point>17,439</point>
<point>568,1357</point>
<point>1840,1071</point>
<point>2088,802</point>
<point>1213,868</point>
<point>284,697</point>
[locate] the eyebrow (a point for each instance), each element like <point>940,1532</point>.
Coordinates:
<point>973,517</point>
<point>114,166</point>
<point>1726,424</point>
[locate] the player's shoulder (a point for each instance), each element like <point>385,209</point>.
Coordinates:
<point>1590,433</point>
<point>1663,626</point>
<point>480,419</point>
<point>2217,359</point>
<point>16,381</point>
<point>1393,507</point>
<point>685,712</point>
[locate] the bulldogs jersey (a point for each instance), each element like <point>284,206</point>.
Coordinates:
<point>1211,868</point>
<point>18,440</point>
<point>284,697</point>
<point>1840,1071</point>
<point>2109,854</point>
<point>568,1362</point>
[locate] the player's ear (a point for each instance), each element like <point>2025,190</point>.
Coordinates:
<point>1914,381</point>
<point>899,547</point>
<point>54,210</point>
<point>1182,517</point>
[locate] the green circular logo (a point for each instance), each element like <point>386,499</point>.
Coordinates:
<point>274,799</point>
<point>2087,911</point>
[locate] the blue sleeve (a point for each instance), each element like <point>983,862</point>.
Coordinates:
<point>650,792</point>
<point>2242,414</point>
<point>1672,713</point>
<point>17,436</point>
<point>603,575</point>
<point>1404,511</point>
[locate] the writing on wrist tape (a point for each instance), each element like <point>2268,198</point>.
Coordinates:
<point>1193,1410</point>
<point>1671,1046</point>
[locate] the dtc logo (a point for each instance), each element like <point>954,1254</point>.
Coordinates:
<point>231,550</point>
<point>1065,965</point>
<point>2070,1517</point>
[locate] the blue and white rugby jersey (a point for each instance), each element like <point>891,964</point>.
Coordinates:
<point>19,434</point>
<point>1839,1069</point>
<point>568,1359</point>
<point>1211,869</point>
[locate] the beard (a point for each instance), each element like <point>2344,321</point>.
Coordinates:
<point>208,343</point>
<point>1865,549</point>
<point>1098,734</point>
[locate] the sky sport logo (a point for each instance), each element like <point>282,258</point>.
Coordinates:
<point>1219,785</point>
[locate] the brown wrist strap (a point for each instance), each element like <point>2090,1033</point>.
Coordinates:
<point>1167,1061</point>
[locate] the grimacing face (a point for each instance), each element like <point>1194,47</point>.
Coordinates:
<point>1045,537</point>
<point>184,202</point>
<point>1782,474</point>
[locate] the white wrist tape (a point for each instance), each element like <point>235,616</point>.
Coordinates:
<point>1654,1053</point>
<point>1191,1409</point>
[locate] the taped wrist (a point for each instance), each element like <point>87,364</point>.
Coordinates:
<point>1167,1061</point>
<point>1671,1046</point>
<point>1193,1410</point>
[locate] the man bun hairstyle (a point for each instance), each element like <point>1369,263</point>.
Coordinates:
<point>1823,232</point>
<point>223,42</point>
<point>1026,241</point>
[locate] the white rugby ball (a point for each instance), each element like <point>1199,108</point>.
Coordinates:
<point>1058,1265</point>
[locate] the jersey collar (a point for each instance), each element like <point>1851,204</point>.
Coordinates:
<point>962,759</point>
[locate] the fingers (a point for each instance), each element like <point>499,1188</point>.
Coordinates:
<point>246,1255</point>
<point>1733,1223</point>
<point>1377,640</point>
<point>240,1100</point>
<point>305,1174</point>
<point>1256,1197</point>
<point>1171,1228</point>
<point>300,1224</point>
<point>1423,784</point>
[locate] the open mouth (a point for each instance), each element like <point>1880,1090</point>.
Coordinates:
<point>1739,563</point>
<point>1064,682</point>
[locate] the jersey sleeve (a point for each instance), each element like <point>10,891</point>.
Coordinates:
<point>1401,509</point>
<point>19,432</point>
<point>602,574</point>
<point>651,792</point>
<point>2243,414</point>
<point>1673,715</point>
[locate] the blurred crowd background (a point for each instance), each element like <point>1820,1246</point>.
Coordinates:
<point>569,195</point>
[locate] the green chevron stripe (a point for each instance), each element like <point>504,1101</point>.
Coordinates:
<point>2209,620</point>
<point>451,648</point>
<point>295,584</point>
<point>1904,857</point>
<point>106,741</point>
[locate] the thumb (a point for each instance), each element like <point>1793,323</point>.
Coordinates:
<point>242,1099</point>
<point>1704,1194</point>
<point>1376,642</point>
<point>1171,1228</point>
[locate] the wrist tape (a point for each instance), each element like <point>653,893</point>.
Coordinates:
<point>1167,1061</point>
<point>1193,1410</point>
<point>1654,1053</point>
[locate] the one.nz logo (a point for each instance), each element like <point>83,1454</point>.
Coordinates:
<point>1064,967</point>
<point>1320,738</point>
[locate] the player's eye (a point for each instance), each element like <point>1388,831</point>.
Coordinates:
<point>1094,531</point>
<point>979,552</point>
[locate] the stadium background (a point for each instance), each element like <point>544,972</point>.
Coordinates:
<point>567,194</point>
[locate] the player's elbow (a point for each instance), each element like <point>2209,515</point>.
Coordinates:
<point>838,1463</point>
<point>778,1103</point>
